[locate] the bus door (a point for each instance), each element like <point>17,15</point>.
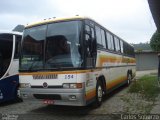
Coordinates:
<point>90,61</point>
<point>90,46</point>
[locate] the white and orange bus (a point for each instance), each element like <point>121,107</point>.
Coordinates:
<point>73,61</point>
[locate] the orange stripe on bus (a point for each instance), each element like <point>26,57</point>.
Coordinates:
<point>115,82</point>
<point>90,94</point>
<point>60,72</point>
<point>111,59</point>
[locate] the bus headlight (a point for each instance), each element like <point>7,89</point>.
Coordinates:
<point>72,85</point>
<point>25,85</point>
<point>66,85</point>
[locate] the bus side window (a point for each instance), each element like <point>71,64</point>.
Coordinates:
<point>103,38</point>
<point>93,44</point>
<point>17,46</point>
<point>92,34</point>
<point>90,45</point>
<point>88,39</point>
<point>110,42</point>
<point>121,46</point>
<point>6,47</point>
<point>98,36</point>
<point>117,46</point>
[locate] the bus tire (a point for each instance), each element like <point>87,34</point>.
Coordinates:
<point>17,98</point>
<point>99,95</point>
<point>129,78</point>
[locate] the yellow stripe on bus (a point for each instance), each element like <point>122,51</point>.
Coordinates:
<point>115,82</point>
<point>90,94</point>
<point>54,20</point>
<point>60,72</point>
<point>112,59</point>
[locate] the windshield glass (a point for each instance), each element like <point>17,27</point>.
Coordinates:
<point>52,46</point>
<point>33,44</point>
<point>6,45</point>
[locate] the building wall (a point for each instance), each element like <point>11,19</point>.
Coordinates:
<point>146,61</point>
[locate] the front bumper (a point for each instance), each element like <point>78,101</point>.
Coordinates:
<point>71,97</point>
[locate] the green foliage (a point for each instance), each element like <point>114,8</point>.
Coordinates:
<point>142,47</point>
<point>146,86</point>
<point>155,41</point>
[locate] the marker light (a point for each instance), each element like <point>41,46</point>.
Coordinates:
<point>72,85</point>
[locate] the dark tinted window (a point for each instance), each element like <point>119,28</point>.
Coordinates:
<point>92,33</point>
<point>6,46</point>
<point>17,46</point>
<point>6,36</point>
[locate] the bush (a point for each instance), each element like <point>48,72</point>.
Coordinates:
<point>155,41</point>
<point>146,86</point>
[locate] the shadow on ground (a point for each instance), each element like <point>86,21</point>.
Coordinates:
<point>72,110</point>
<point>7,103</point>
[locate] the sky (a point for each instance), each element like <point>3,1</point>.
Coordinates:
<point>129,19</point>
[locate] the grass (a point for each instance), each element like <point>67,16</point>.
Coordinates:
<point>146,86</point>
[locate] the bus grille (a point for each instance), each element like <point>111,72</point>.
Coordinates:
<point>47,96</point>
<point>52,76</point>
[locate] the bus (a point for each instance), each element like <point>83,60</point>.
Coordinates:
<point>9,62</point>
<point>73,61</point>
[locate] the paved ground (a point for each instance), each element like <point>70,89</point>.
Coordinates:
<point>35,110</point>
<point>115,105</point>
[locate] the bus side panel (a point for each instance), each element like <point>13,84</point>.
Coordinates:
<point>8,88</point>
<point>113,68</point>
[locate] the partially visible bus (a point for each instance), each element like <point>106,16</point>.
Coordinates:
<point>73,61</point>
<point>9,62</point>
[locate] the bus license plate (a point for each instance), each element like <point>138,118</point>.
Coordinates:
<point>48,101</point>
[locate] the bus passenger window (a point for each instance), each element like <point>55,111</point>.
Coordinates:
<point>98,35</point>
<point>103,38</point>
<point>110,42</point>
<point>17,46</point>
<point>92,33</point>
<point>121,45</point>
<point>117,46</point>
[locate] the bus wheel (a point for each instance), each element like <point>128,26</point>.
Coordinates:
<point>99,95</point>
<point>129,78</point>
<point>17,98</point>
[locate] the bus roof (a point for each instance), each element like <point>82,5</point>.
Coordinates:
<point>10,32</point>
<point>50,20</point>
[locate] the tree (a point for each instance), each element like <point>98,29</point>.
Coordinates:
<point>155,41</point>
<point>19,28</point>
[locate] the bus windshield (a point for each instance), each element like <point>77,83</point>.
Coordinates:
<point>6,45</point>
<point>51,46</point>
